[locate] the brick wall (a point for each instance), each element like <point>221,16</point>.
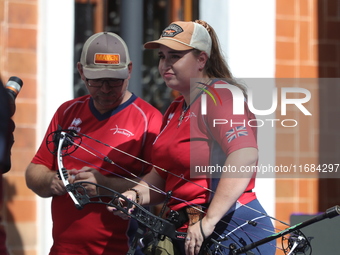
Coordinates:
<point>296,38</point>
<point>307,46</point>
<point>297,57</point>
<point>18,57</point>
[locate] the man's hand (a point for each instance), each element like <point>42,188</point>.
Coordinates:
<point>57,186</point>
<point>88,174</point>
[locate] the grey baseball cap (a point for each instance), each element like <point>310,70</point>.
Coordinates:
<point>105,55</point>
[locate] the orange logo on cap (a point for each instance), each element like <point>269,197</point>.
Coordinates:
<point>169,31</point>
<point>108,59</point>
<point>172,30</point>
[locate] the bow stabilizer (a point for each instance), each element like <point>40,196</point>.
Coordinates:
<point>330,213</point>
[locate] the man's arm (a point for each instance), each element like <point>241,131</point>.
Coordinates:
<point>88,174</point>
<point>43,181</point>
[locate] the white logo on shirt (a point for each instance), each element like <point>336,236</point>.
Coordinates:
<point>122,131</point>
<point>190,115</point>
<point>75,124</point>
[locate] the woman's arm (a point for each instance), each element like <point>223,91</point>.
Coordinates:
<point>230,187</point>
<point>146,195</point>
<point>143,193</point>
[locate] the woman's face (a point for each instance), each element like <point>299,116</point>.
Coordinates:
<point>178,67</point>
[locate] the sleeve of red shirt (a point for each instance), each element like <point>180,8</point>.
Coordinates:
<point>43,155</point>
<point>154,126</point>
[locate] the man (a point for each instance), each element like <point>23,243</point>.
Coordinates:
<point>112,114</point>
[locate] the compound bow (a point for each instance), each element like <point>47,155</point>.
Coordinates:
<point>65,142</point>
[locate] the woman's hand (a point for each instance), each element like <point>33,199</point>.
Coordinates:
<point>195,236</point>
<point>131,195</point>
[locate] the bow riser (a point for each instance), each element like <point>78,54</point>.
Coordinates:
<point>62,170</point>
<point>116,200</point>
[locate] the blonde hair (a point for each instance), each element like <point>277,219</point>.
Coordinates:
<point>216,66</point>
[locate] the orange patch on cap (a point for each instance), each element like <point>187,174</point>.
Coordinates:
<point>107,59</point>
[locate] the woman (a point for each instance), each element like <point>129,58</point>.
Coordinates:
<point>192,142</point>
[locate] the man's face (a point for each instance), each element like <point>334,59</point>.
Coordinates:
<point>107,93</point>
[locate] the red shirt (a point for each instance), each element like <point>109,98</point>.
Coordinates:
<point>185,147</point>
<point>131,127</point>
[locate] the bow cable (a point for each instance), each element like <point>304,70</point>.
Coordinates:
<point>178,176</point>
